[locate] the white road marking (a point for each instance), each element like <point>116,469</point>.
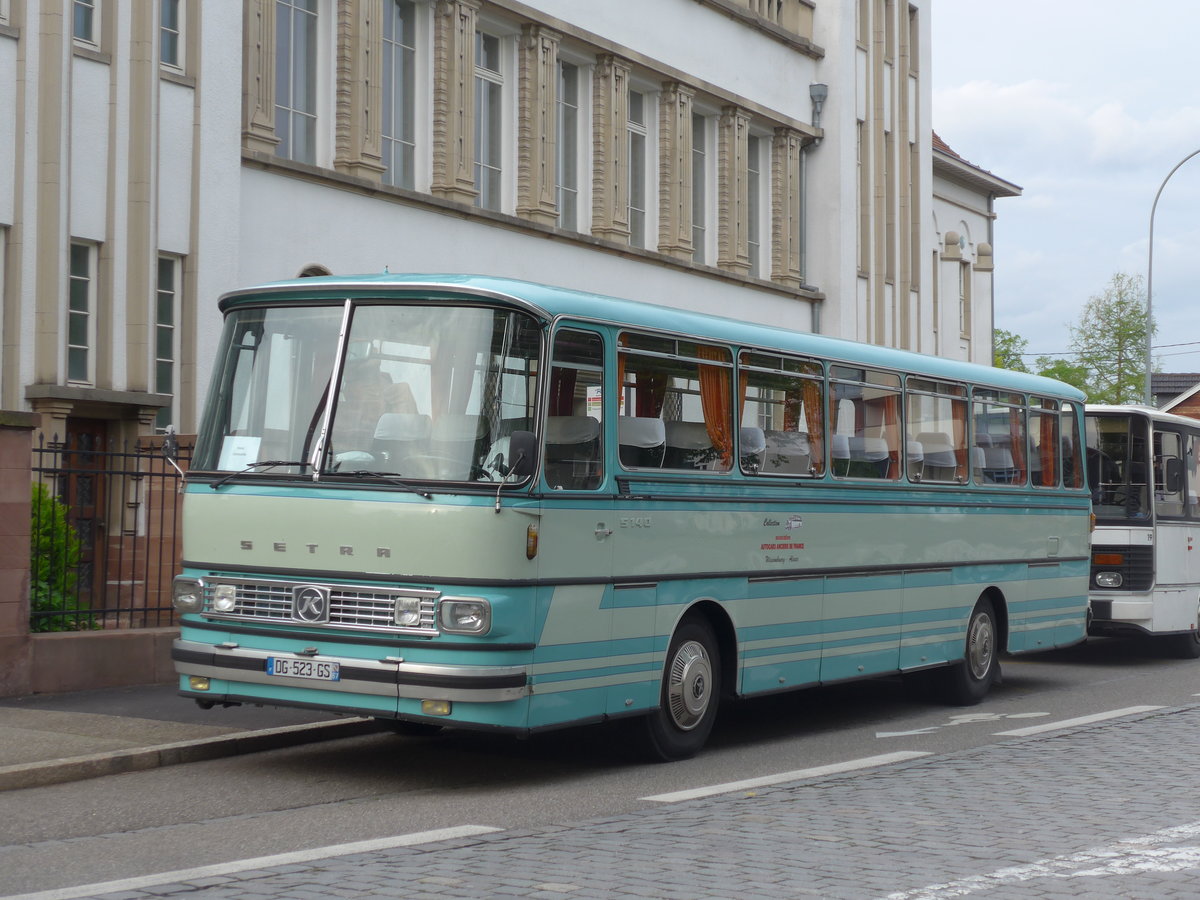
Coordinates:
<point>850,765</point>
<point>964,719</point>
<point>1071,723</point>
<point>261,862</point>
<point>887,734</point>
<point>1147,853</point>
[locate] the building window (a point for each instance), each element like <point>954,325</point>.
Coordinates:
<point>700,156</point>
<point>86,27</point>
<point>754,203</point>
<point>296,79</point>
<point>170,45</point>
<point>637,168</point>
<point>489,121</point>
<point>964,299</point>
<point>567,167</point>
<point>166,337</point>
<point>399,93</point>
<point>81,319</point>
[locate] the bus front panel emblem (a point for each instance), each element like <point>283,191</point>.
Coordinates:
<point>310,604</point>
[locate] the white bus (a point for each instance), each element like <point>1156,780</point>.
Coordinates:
<point>1142,468</point>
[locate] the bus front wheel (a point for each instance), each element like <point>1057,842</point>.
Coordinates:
<point>691,688</point>
<point>967,682</point>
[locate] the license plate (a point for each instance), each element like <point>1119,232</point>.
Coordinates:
<point>314,670</point>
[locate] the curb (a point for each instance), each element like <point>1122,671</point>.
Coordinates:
<point>140,759</point>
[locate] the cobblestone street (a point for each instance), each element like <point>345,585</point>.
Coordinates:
<point>1099,811</point>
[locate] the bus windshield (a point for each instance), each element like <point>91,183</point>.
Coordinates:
<point>1117,464</point>
<point>428,392</point>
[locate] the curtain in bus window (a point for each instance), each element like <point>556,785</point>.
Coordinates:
<point>891,433</point>
<point>958,418</point>
<point>714,400</point>
<point>1016,432</point>
<point>562,391</point>
<point>1072,459</point>
<point>1048,448</point>
<point>811,391</point>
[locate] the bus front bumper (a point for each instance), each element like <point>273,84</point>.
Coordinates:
<point>390,677</point>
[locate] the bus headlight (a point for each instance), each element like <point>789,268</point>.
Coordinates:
<point>224,598</point>
<point>408,612</point>
<point>1109,579</point>
<point>465,615</point>
<point>188,595</point>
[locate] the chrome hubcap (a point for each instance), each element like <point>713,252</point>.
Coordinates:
<point>689,685</point>
<point>980,646</point>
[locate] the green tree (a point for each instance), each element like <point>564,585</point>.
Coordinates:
<point>1007,350</point>
<point>1110,341</point>
<point>1073,373</point>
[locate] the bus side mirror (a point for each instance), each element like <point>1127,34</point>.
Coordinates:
<point>522,451</point>
<point>1173,475</point>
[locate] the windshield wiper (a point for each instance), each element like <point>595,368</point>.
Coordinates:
<point>390,477</point>
<point>264,464</point>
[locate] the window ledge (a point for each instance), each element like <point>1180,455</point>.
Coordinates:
<point>10,31</point>
<point>78,393</point>
<point>317,174</point>
<point>94,55</point>
<point>176,77</point>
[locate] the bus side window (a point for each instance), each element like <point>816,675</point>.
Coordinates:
<point>864,412</point>
<point>574,433</point>
<point>688,387</point>
<point>1168,474</point>
<point>783,415</point>
<point>1072,448</point>
<point>936,421</point>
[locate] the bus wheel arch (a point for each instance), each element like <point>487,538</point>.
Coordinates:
<point>967,681</point>
<point>693,682</point>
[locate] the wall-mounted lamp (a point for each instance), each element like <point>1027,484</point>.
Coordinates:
<point>818,93</point>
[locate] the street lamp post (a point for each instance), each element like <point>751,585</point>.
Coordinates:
<point>1150,279</point>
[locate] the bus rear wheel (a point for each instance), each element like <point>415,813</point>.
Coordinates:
<point>691,690</point>
<point>967,682</point>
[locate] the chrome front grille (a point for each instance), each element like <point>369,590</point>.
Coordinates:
<point>360,608</point>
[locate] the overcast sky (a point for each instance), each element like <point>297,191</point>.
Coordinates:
<point>1087,105</point>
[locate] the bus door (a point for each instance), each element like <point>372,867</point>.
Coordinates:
<point>574,532</point>
<point>1176,606</point>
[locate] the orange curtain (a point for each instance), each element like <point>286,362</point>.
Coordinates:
<point>715,401</point>
<point>1048,444</point>
<point>958,415</point>
<point>1016,432</point>
<point>813,409</point>
<point>891,433</point>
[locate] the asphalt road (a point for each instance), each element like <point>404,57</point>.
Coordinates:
<point>380,786</point>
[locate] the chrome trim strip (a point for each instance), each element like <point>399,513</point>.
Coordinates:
<point>421,681</point>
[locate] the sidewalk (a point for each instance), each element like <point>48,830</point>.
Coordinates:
<point>52,738</point>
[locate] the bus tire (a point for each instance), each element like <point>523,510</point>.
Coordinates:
<point>690,694</point>
<point>967,682</point>
<point>1185,645</point>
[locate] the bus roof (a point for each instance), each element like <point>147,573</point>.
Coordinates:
<point>1158,415</point>
<point>552,302</point>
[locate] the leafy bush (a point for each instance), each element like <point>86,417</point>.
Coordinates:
<point>55,551</point>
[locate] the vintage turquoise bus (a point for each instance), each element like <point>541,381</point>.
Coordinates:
<point>474,502</point>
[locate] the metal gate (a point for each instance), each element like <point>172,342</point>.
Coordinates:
<point>104,541</point>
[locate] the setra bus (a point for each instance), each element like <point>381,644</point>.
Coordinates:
<point>1145,482</point>
<point>475,502</point>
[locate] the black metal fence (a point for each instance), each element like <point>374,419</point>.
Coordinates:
<point>105,535</point>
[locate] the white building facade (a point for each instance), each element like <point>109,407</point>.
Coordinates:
<point>769,160</point>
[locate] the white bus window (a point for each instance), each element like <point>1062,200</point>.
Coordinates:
<point>574,433</point>
<point>782,425</point>
<point>1169,485</point>
<point>865,423</point>
<point>688,387</point>
<point>936,425</point>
